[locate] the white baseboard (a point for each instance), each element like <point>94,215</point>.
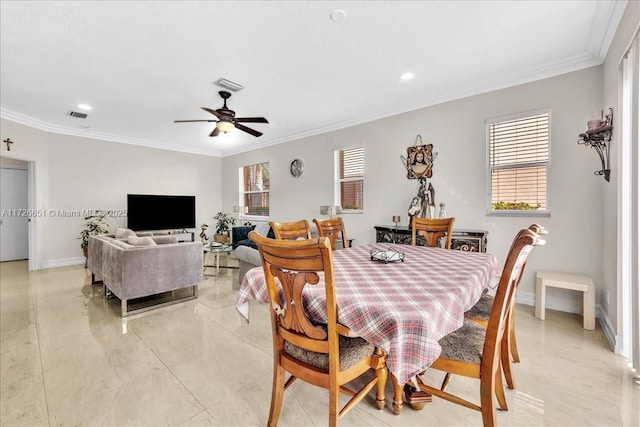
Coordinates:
<point>609,332</point>
<point>569,306</point>
<point>64,262</point>
<point>553,303</point>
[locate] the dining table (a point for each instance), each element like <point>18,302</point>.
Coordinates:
<point>403,305</point>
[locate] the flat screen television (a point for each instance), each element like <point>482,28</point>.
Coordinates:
<point>160,212</point>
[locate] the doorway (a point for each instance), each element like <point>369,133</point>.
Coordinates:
<point>14,210</point>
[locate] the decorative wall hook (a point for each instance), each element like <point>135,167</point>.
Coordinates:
<point>598,136</point>
<point>8,142</point>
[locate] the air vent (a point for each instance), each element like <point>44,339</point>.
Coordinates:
<point>77,115</point>
<point>228,84</point>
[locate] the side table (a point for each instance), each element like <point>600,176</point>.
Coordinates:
<point>216,250</point>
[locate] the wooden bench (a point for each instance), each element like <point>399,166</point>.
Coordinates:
<point>571,281</point>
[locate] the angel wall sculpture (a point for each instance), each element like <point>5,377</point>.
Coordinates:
<point>419,165</point>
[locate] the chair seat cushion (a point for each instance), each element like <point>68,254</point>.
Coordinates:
<point>352,351</point>
<point>464,344</point>
<point>482,309</point>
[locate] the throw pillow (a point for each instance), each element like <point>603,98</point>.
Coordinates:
<point>141,241</point>
<point>262,228</point>
<point>123,233</point>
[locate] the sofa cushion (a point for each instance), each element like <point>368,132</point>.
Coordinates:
<point>163,240</point>
<point>123,233</point>
<point>248,255</point>
<point>262,228</point>
<point>122,244</point>
<point>141,241</point>
<point>240,235</point>
<point>248,243</point>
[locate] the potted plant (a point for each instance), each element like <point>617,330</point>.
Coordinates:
<point>223,226</point>
<point>94,224</point>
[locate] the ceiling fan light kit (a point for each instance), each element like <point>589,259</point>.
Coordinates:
<point>225,125</point>
<point>227,120</point>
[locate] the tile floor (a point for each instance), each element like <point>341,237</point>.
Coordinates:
<point>67,358</point>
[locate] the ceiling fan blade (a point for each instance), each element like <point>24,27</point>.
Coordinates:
<point>215,132</point>
<point>248,130</point>
<point>189,121</point>
<point>209,110</point>
<point>252,120</point>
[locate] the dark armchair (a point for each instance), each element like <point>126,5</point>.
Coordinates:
<point>240,236</point>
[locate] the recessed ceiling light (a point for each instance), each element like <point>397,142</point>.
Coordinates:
<point>338,15</point>
<point>85,107</point>
<point>406,76</point>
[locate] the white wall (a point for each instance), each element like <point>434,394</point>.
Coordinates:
<point>457,131</point>
<point>74,173</point>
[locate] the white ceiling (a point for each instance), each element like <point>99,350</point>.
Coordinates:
<point>143,64</point>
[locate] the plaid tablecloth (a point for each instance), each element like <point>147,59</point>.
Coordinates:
<point>402,307</point>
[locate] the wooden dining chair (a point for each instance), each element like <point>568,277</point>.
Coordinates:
<point>333,228</point>
<point>293,230</point>
<point>474,351</point>
<point>326,355</point>
<point>432,230</point>
<point>480,313</point>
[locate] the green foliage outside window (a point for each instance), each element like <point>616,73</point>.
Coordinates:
<point>514,206</point>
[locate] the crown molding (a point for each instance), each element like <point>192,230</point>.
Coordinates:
<point>563,66</point>
<point>65,130</point>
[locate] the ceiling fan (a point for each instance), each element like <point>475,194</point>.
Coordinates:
<point>227,120</point>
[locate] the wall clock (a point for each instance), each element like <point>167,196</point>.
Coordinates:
<point>296,168</point>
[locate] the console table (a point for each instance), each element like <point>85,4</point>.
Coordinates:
<point>462,240</point>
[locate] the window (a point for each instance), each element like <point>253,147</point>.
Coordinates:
<point>629,206</point>
<point>254,189</point>
<point>518,163</point>
<point>349,179</point>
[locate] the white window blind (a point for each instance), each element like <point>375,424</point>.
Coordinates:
<point>518,162</point>
<point>254,182</point>
<point>350,178</point>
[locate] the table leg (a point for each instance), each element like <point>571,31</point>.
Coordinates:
<point>416,397</point>
<point>217,263</point>
<point>397,395</point>
<point>540,298</point>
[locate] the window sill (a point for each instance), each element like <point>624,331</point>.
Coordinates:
<point>253,218</point>
<point>535,213</point>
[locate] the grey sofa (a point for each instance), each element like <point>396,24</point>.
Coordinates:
<point>129,271</point>
<point>246,252</point>
<point>247,259</point>
<point>245,249</point>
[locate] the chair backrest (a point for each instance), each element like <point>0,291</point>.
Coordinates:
<point>538,229</point>
<point>294,230</point>
<point>432,230</point>
<point>296,263</point>
<point>333,228</point>
<point>521,248</point>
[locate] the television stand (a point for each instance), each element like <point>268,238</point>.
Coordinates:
<point>184,235</point>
